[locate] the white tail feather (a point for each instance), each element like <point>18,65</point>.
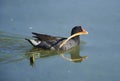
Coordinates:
<point>35,42</point>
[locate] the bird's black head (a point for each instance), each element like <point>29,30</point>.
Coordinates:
<point>76,29</point>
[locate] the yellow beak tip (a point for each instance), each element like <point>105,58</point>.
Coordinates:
<point>86,32</point>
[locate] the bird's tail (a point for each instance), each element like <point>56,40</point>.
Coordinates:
<point>33,41</point>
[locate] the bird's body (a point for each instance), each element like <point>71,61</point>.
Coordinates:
<point>53,42</point>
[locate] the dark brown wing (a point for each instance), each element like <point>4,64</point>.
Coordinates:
<point>45,37</point>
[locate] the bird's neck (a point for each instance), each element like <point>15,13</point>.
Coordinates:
<point>76,39</point>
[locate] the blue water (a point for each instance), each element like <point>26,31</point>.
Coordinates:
<point>18,18</point>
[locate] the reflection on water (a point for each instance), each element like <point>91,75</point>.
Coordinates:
<point>74,53</point>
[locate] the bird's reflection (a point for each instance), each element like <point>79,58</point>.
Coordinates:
<point>74,53</point>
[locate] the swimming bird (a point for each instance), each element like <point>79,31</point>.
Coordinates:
<point>49,42</point>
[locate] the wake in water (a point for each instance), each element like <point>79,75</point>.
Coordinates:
<point>12,47</point>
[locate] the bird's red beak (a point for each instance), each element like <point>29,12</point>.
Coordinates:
<point>83,32</point>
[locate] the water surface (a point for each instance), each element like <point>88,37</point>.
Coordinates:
<point>20,62</point>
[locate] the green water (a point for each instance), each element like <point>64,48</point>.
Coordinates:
<point>96,59</point>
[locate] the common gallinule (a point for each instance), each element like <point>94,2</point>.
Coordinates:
<point>57,43</point>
